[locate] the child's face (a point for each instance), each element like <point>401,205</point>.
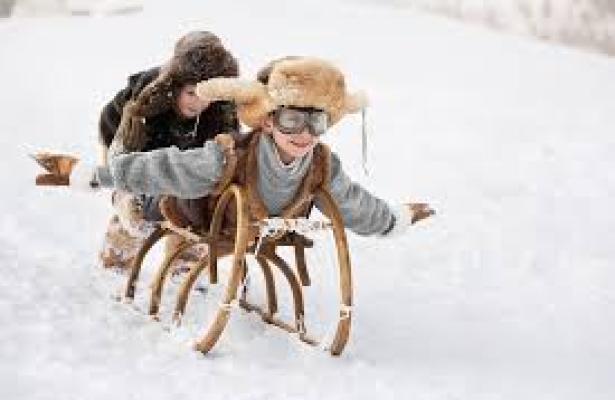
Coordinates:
<point>189,104</point>
<point>290,146</point>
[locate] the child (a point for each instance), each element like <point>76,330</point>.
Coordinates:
<point>159,108</point>
<point>294,102</point>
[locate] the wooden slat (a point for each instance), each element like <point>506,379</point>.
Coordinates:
<point>271,319</point>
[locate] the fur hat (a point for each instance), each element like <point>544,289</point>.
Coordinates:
<point>289,81</point>
<point>194,39</point>
<point>198,56</point>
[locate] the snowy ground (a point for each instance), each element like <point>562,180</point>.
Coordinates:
<point>507,294</point>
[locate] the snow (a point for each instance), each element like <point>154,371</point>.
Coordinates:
<point>585,23</point>
<point>42,8</point>
<point>506,294</point>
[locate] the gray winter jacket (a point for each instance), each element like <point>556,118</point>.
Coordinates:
<point>193,173</point>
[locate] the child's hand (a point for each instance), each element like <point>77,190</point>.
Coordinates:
<point>56,164</point>
<point>58,167</point>
<point>51,180</point>
<point>65,170</point>
<point>407,215</point>
<point>420,211</point>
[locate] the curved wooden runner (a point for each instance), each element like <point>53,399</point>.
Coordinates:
<point>330,209</point>
<point>238,247</point>
<point>163,273</point>
<point>238,266</point>
<point>342,332</point>
<point>137,263</point>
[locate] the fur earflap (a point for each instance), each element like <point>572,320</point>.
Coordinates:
<point>356,102</point>
<point>156,97</point>
<point>252,99</point>
<point>239,90</point>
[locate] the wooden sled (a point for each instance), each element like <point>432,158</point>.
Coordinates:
<point>238,242</point>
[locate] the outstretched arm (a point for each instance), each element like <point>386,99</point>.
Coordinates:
<point>362,212</point>
<point>366,214</point>
<point>186,174</point>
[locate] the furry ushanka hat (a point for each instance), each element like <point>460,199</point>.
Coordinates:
<point>197,56</point>
<point>290,81</point>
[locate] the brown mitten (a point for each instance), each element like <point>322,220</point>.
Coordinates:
<point>420,211</point>
<point>58,167</point>
<point>51,180</point>
<point>407,215</point>
<point>132,127</point>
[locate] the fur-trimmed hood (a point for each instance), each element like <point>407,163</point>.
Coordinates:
<point>291,81</point>
<point>198,56</point>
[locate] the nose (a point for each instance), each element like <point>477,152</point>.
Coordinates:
<point>304,136</point>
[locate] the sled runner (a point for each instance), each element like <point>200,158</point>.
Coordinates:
<point>238,241</point>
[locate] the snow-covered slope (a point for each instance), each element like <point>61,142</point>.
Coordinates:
<point>584,23</point>
<point>45,8</point>
<point>507,294</point>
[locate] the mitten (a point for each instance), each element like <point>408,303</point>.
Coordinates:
<point>407,215</point>
<point>65,170</point>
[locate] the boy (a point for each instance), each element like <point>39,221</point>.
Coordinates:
<point>159,108</point>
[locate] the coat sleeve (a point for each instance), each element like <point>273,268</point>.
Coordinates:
<point>362,212</point>
<point>111,114</point>
<point>187,174</point>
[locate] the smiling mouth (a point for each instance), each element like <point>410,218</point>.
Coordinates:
<point>300,145</point>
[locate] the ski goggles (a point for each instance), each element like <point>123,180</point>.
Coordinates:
<point>290,120</point>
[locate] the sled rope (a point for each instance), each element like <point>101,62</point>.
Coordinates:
<point>229,306</point>
<point>345,311</point>
<point>272,227</point>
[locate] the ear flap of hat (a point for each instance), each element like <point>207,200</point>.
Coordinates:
<point>350,104</point>
<point>252,99</point>
<point>355,102</point>
<point>238,90</point>
<point>156,97</point>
